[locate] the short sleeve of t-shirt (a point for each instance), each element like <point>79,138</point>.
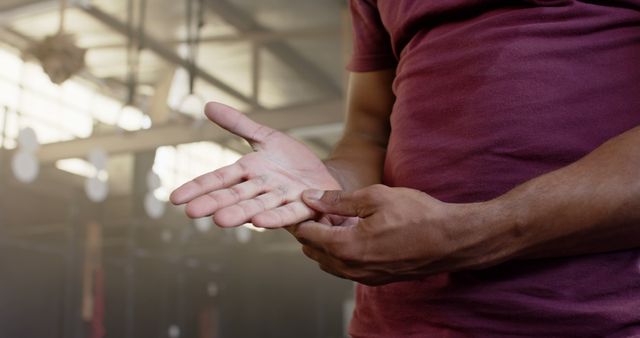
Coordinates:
<point>371,42</point>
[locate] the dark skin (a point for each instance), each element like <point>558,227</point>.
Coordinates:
<point>590,206</point>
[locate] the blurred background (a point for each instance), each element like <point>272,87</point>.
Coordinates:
<point>101,118</point>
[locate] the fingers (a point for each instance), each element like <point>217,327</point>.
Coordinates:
<point>291,213</point>
<point>339,202</point>
<point>330,239</point>
<point>326,263</point>
<point>237,122</point>
<point>209,203</point>
<point>352,270</point>
<point>242,212</point>
<point>215,180</point>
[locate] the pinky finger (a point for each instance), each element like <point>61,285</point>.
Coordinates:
<point>288,214</point>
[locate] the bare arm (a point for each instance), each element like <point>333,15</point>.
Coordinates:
<point>590,206</point>
<point>358,158</point>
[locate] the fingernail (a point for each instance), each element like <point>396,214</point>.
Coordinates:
<point>312,194</point>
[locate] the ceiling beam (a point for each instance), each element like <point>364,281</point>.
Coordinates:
<point>163,51</point>
<point>27,9</point>
<point>255,37</point>
<point>180,132</point>
<point>245,23</point>
<point>23,42</point>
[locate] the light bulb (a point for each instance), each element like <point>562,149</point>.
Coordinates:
<point>99,158</point>
<point>153,206</point>
<point>192,104</point>
<point>243,234</point>
<point>130,118</point>
<point>28,140</point>
<point>203,224</point>
<point>174,331</point>
<point>25,166</point>
<point>96,189</point>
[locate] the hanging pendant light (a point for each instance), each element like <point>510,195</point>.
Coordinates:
<point>203,224</point>
<point>97,187</point>
<point>25,166</point>
<point>24,163</point>
<point>58,54</point>
<point>193,103</point>
<point>134,50</point>
<point>242,234</point>
<point>152,205</point>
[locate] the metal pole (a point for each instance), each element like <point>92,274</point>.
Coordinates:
<point>2,164</point>
<point>5,118</point>
<point>72,324</point>
<point>130,283</point>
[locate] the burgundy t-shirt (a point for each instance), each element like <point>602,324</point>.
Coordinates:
<point>490,94</point>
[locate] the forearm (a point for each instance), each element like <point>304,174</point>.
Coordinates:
<point>358,158</point>
<point>590,206</point>
<point>357,162</point>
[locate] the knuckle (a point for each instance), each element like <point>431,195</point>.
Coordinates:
<point>219,176</point>
<point>363,277</point>
<point>236,191</point>
<point>262,133</point>
<point>246,210</point>
<point>281,193</point>
<point>363,193</point>
<point>279,215</point>
<point>201,180</point>
<point>332,197</point>
<point>216,197</point>
<point>262,180</point>
<point>372,192</point>
<point>242,168</point>
<point>260,203</point>
<point>289,210</point>
<point>379,190</point>
<point>351,275</point>
<point>343,255</point>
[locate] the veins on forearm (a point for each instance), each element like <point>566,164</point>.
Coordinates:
<point>590,206</point>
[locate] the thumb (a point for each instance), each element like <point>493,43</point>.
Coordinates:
<point>338,203</point>
<point>237,122</point>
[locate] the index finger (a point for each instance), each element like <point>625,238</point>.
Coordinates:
<point>236,122</point>
<point>322,236</point>
<point>217,179</point>
<point>338,202</point>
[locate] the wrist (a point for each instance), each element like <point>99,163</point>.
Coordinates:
<point>348,174</point>
<point>337,175</point>
<point>492,232</point>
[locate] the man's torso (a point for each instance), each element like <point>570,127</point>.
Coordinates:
<point>490,94</point>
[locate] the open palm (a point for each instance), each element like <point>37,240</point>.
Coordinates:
<point>263,187</point>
